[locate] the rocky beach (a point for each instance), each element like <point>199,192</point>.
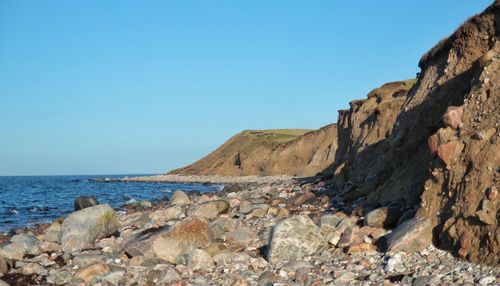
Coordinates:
<point>261,233</point>
<point>402,190</point>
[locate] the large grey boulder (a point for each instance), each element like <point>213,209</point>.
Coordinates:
<point>293,239</point>
<point>169,243</point>
<point>180,198</point>
<point>84,227</point>
<point>411,236</point>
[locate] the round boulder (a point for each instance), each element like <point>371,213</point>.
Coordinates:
<point>293,239</point>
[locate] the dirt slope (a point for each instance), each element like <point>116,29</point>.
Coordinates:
<point>442,156</point>
<point>270,152</point>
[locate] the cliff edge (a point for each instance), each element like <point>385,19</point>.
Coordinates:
<point>442,157</point>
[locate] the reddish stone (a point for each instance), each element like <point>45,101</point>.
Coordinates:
<point>462,253</point>
<point>432,143</point>
<point>178,283</point>
<point>465,240</point>
<point>453,116</point>
<point>302,199</point>
<point>374,232</point>
<point>362,248</point>
<point>92,270</point>
<point>492,193</point>
<point>445,152</point>
<point>350,236</point>
<point>240,282</point>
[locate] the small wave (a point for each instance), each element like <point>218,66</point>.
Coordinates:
<point>131,201</point>
<point>38,209</point>
<point>13,211</point>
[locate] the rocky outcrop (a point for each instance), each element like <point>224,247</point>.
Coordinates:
<point>436,148</point>
<point>269,153</point>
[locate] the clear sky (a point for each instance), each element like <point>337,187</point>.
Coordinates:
<point>123,87</point>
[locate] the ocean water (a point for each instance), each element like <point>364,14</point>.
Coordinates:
<point>25,201</point>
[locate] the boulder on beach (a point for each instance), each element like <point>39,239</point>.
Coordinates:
<point>83,202</point>
<point>83,227</point>
<point>411,236</point>
<point>180,198</point>
<point>209,210</point>
<point>293,239</point>
<point>169,242</point>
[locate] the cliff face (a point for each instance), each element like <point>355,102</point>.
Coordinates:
<point>270,152</point>
<point>442,155</point>
<point>362,127</point>
<point>430,145</point>
<point>300,153</point>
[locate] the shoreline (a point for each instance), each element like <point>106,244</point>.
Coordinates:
<point>203,179</point>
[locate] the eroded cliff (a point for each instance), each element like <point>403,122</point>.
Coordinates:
<point>442,156</point>
<point>429,146</point>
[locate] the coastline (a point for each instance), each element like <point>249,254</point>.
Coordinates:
<point>204,179</point>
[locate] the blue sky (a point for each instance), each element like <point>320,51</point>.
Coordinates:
<point>117,87</point>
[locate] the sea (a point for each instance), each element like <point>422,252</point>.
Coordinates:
<point>26,201</point>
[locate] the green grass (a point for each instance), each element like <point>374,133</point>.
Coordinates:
<point>275,137</point>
